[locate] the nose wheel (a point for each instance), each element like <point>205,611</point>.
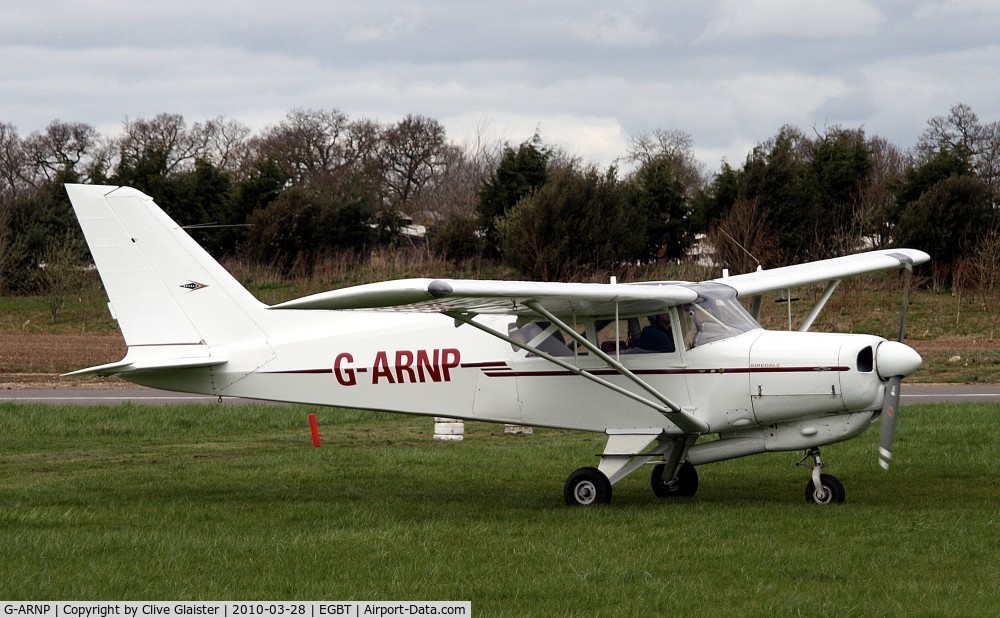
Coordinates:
<point>822,488</point>
<point>684,484</point>
<point>829,491</point>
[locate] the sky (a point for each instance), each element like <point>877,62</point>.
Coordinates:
<point>587,75</point>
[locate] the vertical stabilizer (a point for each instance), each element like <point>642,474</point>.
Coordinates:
<point>163,288</point>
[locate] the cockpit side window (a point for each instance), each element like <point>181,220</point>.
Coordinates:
<point>712,317</point>
<point>657,335</point>
<point>612,336</point>
<point>544,337</point>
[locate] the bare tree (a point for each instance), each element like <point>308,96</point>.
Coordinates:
<point>449,206</point>
<point>63,147</point>
<point>961,131</point>
<point>988,158</point>
<point>309,144</point>
<point>6,241</point>
<point>60,273</point>
<point>413,151</point>
<point>225,142</point>
<point>877,197</point>
<point>673,145</point>
<point>742,240</point>
<point>166,136</point>
<point>455,189</point>
<point>984,264</point>
<point>14,167</point>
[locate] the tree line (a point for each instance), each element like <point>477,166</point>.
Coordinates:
<point>320,183</point>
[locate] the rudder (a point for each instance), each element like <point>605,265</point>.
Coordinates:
<point>164,289</point>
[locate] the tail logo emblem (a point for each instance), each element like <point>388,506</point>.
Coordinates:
<point>194,285</point>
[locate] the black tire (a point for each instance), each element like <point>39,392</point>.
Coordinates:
<point>684,485</point>
<point>833,491</point>
<point>587,487</point>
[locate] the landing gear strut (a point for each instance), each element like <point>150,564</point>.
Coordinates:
<point>822,488</point>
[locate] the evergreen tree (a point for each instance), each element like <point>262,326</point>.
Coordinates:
<point>665,205</point>
<point>945,209</point>
<point>35,219</point>
<point>519,173</point>
<point>578,221</point>
<point>839,167</point>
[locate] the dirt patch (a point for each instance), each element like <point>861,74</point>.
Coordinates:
<point>42,353</point>
<point>958,359</point>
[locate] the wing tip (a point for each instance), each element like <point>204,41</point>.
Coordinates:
<point>910,257</point>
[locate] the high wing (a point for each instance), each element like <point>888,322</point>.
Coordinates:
<point>587,299</point>
<point>755,283</point>
<point>501,297</point>
<point>554,302</point>
<point>831,271</point>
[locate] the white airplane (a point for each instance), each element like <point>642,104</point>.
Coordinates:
<point>660,368</point>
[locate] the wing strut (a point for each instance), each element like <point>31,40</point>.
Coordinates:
<point>807,324</point>
<point>617,366</point>
<point>685,422</point>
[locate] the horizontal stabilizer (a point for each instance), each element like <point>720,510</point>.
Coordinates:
<point>107,369</point>
<point>128,366</point>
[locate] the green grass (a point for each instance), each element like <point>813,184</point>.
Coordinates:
<point>233,502</point>
<point>83,312</point>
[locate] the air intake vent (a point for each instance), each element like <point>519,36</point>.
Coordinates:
<point>866,360</point>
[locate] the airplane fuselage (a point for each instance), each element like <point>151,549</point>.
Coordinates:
<point>425,364</point>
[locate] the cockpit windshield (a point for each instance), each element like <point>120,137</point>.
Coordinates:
<point>715,315</point>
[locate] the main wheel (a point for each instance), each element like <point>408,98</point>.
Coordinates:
<point>831,491</point>
<point>587,486</point>
<point>684,485</point>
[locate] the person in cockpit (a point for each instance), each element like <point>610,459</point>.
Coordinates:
<point>658,336</point>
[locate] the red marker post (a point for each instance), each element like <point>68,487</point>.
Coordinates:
<point>314,427</point>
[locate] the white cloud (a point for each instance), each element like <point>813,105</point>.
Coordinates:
<point>593,139</point>
<point>728,73</point>
<point>614,28</point>
<point>947,8</point>
<point>390,28</point>
<point>910,90</point>
<point>794,18</point>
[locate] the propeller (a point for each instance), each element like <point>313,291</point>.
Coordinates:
<point>895,360</point>
<point>890,405</point>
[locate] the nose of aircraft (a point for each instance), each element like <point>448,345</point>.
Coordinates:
<point>896,359</point>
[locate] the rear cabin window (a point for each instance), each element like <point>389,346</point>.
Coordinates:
<point>546,337</point>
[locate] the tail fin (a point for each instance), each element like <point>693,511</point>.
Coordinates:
<point>163,288</point>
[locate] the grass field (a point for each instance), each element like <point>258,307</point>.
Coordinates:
<point>233,502</point>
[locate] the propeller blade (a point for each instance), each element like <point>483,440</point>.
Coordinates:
<point>890,410</point>
<point>890,405</point>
